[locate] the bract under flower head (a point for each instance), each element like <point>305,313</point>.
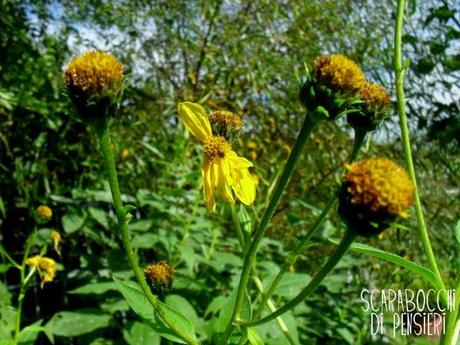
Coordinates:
<point>223,170</point>
<point>373,109</point>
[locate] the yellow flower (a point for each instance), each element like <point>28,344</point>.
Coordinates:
<point>57,239</point>
<point>381,185</point>
<point>159,273</point>
<point>46,267</point>
<point>338,72</point>
<point>95,72</point>
<point>124,154</point>
<point>374,96</point>
<point>223,170</point>
<point>43,213</point>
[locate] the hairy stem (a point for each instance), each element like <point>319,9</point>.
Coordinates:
<point>242,240</point>
<point>292,257</point>
<point>347,240</point>
<point>250,256</point>
<point>106,150</point>
<point>399,73</point>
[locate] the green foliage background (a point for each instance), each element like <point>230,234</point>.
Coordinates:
<point>247,57</point>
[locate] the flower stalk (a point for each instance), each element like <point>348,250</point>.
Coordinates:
<point>343,246</point>
<point>399,73</point>
<point>307,128</point>
<point>122,216</point>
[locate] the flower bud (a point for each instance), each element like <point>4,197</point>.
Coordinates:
<point>94,82</point>
<point>331,87</point>
<point>373,108</point>
<point>160,274</point>
<point>226,124</point>
<point>43,214</point>
<point>57,239</point>
<point>374,192</point>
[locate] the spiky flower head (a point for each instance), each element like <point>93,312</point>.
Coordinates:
<point>373,109</point>
<point>331,86</point>
<point>160,274</point>
<point>46,268</point>
<point>43,214</point>
<point>338,72</point>
<point>226,124</point>
<point>94,82</point>
<point>374,192</point>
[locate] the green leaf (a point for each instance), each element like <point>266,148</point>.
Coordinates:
<point>100,216</point>
<point>76,323</point>
<point>396,259</point>
<point>72,222</point>
<point>254,337</point>
<point>457,231</point>
<point>94,288</point>
<point>133,293</point>
<point>29,334</point>
<point>291,284</point>
<point>226,312</point>
<point>140,334</point>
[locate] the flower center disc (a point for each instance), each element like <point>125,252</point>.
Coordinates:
<point>216,147</point>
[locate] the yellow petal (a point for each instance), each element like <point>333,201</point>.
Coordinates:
<point>208,186</point>
<point>225,180</point>
<point>195,118</point>
<point>238,162</point>
<point>244,186</point>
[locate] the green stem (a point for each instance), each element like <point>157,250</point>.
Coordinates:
<point>399,72</point>
<point>452,322</point>
<point>250,256</point>
<point>292,257</point>
<point>242,240</point>
<point>23,286</point>
<point>347,239</point>
<point>8,257</point>
<point>106,150</point>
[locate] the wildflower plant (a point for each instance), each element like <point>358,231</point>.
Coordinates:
<point>373,194</point>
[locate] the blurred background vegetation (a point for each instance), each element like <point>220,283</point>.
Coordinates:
<point>244,56</point>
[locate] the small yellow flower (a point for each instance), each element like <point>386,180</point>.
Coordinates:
<point>57,239</point>
<point>124,154</point>
<point>95,72</point>
<point>381,185</point>
<point>159,273</point>
<point>252,145</point>
<point>253,155</point>
<point>338,72</point>
<point>46,268</point>
<point>223,170</point>
<point>43,213</point>
<point>374,96</point>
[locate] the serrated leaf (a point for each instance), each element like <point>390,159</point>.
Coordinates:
<point>133,293</point>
